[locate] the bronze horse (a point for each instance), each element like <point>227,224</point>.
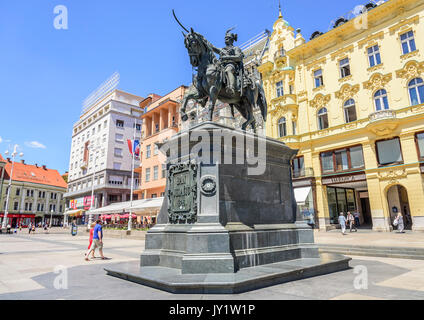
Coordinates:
<point>208,84</point>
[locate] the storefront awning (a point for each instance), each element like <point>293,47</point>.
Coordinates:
<point>74,213</point>
<point>301,194</point>
<point>147,207</point>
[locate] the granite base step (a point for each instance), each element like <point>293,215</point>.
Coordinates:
<point>248,279</point>
<point>374,251</point>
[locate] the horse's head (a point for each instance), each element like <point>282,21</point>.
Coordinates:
<point>195,46</point>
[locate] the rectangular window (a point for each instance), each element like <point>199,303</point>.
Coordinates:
<point>298,167</point>
<point>164,170</point>
<point>18,192</point>
<point>118,152</point>
<point>155,172</point>
<point>148,175</point>
<point>119,123</point>
<point>138,127</point>
<point>294,125</point>
<point>389,152</point>
<point>148,151</point>
<point>16,206</point>
<point>342,160</point>
<point>117,166</point>
<point>374,56</point>
<point>319,80</point>
<point>344,68</point>
<point>327,162</point>
<point>420,143</point>
<point>119,137</point>
<point>408,42</point>
<point>280,90</point>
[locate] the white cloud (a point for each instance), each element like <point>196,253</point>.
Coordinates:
<point>35,145</point>
<point>1,140</point>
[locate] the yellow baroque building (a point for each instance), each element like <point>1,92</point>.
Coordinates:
<point>352,101</point>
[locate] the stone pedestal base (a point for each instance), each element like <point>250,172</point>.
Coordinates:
<point>222,229</point>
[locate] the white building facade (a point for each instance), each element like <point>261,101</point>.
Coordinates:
<point>100,150</point>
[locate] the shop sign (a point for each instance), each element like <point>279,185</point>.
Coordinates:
<point>80,203</point>
<point>344,179</point>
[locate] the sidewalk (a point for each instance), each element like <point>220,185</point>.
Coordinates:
<point>408,245</point>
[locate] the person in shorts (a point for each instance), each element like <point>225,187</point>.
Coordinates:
<point>97,240</point>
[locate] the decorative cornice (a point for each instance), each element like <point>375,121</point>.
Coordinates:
<point>411,69</point>
<point>377,80</point>
<point>368,41</point>
<point>316,63</point>
<point>320,101</point>
<point>341,52</point>
<point>405,24</point>
<point>347,91</point>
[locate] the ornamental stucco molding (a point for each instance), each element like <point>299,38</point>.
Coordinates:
<point>347,91</point>
<point>342,52</point>
<point>377,81</point>
<point>410,70</point>
<point>320,101</point>
<point>405,24</point>
<point>392,174</point>
<point>371,39</point>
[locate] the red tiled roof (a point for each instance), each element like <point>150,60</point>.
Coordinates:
<point>1,159</point>
<point>30,173</point>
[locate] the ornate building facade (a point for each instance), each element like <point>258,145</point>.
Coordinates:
<point>352,101</point>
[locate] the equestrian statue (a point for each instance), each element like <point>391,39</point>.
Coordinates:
<point>224,78</point>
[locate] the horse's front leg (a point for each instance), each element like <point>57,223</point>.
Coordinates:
<point>213,96</point>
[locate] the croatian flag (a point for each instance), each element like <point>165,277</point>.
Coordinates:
<point>134,147</point>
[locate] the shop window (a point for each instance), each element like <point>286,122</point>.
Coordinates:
<point>350,111</point>
<point>319,80</point>
<point>280,90</point>
<point>282,127</point>
<point>420,145</point>
<point>344,68</point>
<point>340,200</point>
<point>389,152</point>
<point>322,119</point>
<point>342,160</point>
<point>380,100</point>
<point>408,42</point>
<point>374,56</point>
<point>298,166</point>
<point>416,91</point>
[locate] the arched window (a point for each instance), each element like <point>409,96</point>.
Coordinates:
<point>416,91</point>
<point>380,99</point>
<point>322,119</point>
<point>350,111</point>
<point>282,127</point>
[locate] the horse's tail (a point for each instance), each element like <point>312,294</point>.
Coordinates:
<point>262,102</point>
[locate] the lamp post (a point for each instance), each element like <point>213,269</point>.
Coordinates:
<point>6,210</point>
<point>132,177</point>
<point>51,218</point>
<point>90,217</point>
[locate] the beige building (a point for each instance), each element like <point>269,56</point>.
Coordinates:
<point>352,101</point>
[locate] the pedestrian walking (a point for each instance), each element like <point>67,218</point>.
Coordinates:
<point>29,228</point>
<point>399,223</point>
<point>351,222</point>
<point>74,229</point>
<point>90,240</point>
<point>357,222</point>
<point>97,240</point>
<point>342,222</point>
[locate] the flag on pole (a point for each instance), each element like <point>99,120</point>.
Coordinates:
<point>134,146</point>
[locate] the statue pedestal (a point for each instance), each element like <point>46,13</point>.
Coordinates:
<point>229,223</point>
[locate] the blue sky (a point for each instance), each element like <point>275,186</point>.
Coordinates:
<point>46,73</point>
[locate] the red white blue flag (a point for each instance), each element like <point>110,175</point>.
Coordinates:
<point>134,146</point>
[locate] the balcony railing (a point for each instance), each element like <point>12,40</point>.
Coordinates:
<point>382,115</point>
<point>303,173</point>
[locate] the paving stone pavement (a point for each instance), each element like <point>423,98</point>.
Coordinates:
<point>27,271</point>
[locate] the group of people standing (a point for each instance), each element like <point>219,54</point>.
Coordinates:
<point>350,220</point>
